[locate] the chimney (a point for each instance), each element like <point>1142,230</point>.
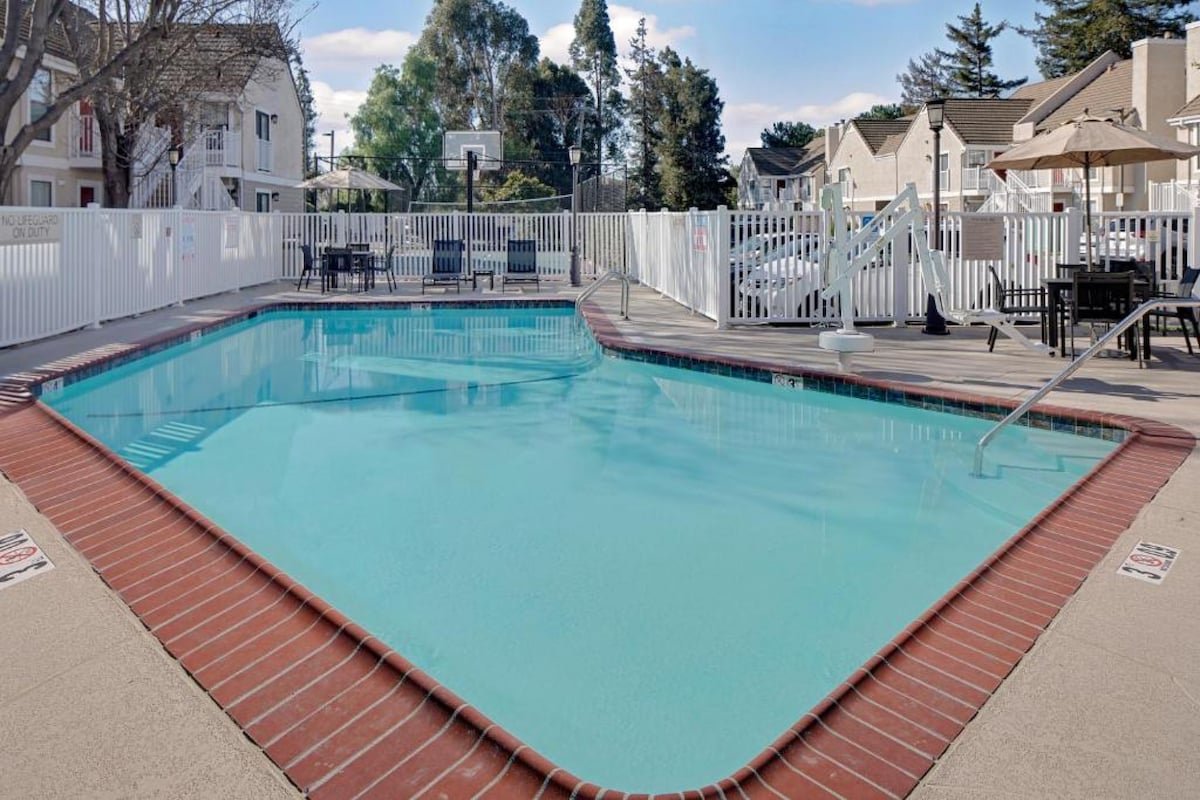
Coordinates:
<point>833,137</point>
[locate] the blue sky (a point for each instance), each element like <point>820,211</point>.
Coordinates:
<point>817,61</point>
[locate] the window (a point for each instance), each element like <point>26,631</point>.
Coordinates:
<point>944,170</point>
<point>262,126</point>
<point>41,95</point>
<point>844,175</point>
<point>262,201</point>
<point>976,158</point>
<point>1193,138</point>
<point>41,193</point>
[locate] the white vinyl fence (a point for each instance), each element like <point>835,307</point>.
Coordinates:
<point>62,269</point>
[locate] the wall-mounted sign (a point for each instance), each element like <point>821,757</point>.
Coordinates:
<point>982,239</point>
<point>30,227</point>
<point>135,226</point>
<point>233,230</point>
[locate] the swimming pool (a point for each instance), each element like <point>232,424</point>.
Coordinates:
<point>611,559</point>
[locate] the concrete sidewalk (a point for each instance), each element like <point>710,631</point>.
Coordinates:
<point>1107,704</point>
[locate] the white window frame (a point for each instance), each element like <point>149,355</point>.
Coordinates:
<point>258,195</point>
<point>1193,138</point>
<point>944,170</point>
<point>47,179</point>
<point>29,108</point>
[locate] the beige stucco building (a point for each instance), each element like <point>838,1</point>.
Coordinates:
<point>241,144</point>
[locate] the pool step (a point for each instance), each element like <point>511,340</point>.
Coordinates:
<point>161,444</point>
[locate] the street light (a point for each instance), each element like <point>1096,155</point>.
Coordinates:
<point>174,156</point>
<point>330,135</point>
<point>574,152</point>
<point>935,324</point>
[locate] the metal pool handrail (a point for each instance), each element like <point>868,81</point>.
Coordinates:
<point>1069,370</point>
<point>612,273</point>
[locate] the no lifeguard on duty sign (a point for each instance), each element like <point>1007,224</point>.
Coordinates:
<point>21,558</point>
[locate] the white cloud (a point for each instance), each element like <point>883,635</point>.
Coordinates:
<point>333,107</point>
<point>623,20</point>
<point>742,122</point>
<point>355,51</point>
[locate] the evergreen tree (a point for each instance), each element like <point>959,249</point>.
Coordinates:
<point>694,169</point>
<point>787,134</point>
<point>927,77</point>
<point>594,56</point>
<point>881,111</point>
<point>970,62</point>
<point>1073,33</point>
<point>308,112</point>
<point>645,114</point>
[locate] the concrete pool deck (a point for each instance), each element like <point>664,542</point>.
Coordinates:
<point>1103,705</point>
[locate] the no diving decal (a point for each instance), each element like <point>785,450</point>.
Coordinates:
<point>20,558</point>
<point>1149,562</point>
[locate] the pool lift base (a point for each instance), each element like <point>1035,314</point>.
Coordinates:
<point>846,342</point>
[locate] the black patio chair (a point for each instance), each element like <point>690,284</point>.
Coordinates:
<point>1103,298</point>
<point>306,253</point>
<point>1017,302</point>
<point>521,265</point>
<point>383,263</point>
<point>336,261</point>
<point>447,265</point>
<point>1187,285</point>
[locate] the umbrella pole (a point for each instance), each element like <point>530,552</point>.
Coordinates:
<point>1087,202</point>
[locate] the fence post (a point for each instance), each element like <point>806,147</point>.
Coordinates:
<point>94,221</point>
<point>1192,255</point>
<point>722,270</point>
<point>1071,251</point>
<point>901,270</point>
<point>175,219</point>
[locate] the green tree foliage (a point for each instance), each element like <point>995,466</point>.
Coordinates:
<point>645,122</point>
<point>547,120</point>
<point>518,186</point>
<point>398,126</point>
<point>484,57</point>
<point>882,111</point>
<point>1073,33</point>
<point>308,112</point>
<point>970,62</point>
<point>926,77</point>
<point>694,169</point>
<point>594,56</point>
<point>787,134</point>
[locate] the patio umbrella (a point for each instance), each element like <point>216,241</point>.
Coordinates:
<point>349,178</point>
<point>1087,142</point>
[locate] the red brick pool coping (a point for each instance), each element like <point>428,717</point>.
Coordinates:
<point>344,716</point>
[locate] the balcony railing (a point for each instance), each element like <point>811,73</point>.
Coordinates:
<point>84,137</point>
<point>264,155</point>
<point>221,148</point>
<point>981,179</point>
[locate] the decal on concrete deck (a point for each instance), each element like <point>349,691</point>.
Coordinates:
<point>21,558</point>
<point>1149,562</point>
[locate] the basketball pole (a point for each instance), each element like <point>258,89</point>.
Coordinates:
<point>471,181</point>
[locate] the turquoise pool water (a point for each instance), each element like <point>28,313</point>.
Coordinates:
<point>645,573</point>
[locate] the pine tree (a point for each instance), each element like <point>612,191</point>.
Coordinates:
<point>787,134</point>
<point>694,168</point>
<point>883,111</point>
<point>308,111</point>
<point>970,62</point>
<point>927,77</point>
<point>645,112</point>
<point>594,56</point>
<point>1074,33</point>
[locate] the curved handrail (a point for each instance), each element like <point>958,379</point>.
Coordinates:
<point>612,273</point>
<point>1070,369</point>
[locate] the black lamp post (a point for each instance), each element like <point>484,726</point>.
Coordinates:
<point>935,324</point>
<point>574,152</point>
<point>331,191</point>
<point>174,156</point>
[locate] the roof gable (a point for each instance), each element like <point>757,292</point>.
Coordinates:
<point>881,133</point>
<point>985,120</point>
<point>780,162</point>
<point>1111,89</point>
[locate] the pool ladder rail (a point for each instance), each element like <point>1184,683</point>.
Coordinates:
<point>1070,369</point>
<point>610,275</point>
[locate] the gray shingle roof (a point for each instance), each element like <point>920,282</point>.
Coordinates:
<point>1192,109</point>
<point>783,161</point>
<point>1037,92</point>
<point>1111,89</point>
<point>879,132</point>
<point>985,120</point>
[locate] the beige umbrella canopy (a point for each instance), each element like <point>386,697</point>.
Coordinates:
<point>1088,142</point>
<point>349,178</point>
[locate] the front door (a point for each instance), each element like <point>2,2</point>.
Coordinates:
<point>87,196</point>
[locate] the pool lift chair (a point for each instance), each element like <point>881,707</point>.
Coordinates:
<point>846,254</point>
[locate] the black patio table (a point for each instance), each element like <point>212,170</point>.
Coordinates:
<point>1056,330</point>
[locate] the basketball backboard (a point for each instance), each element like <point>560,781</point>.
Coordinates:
<point>488,147</point>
